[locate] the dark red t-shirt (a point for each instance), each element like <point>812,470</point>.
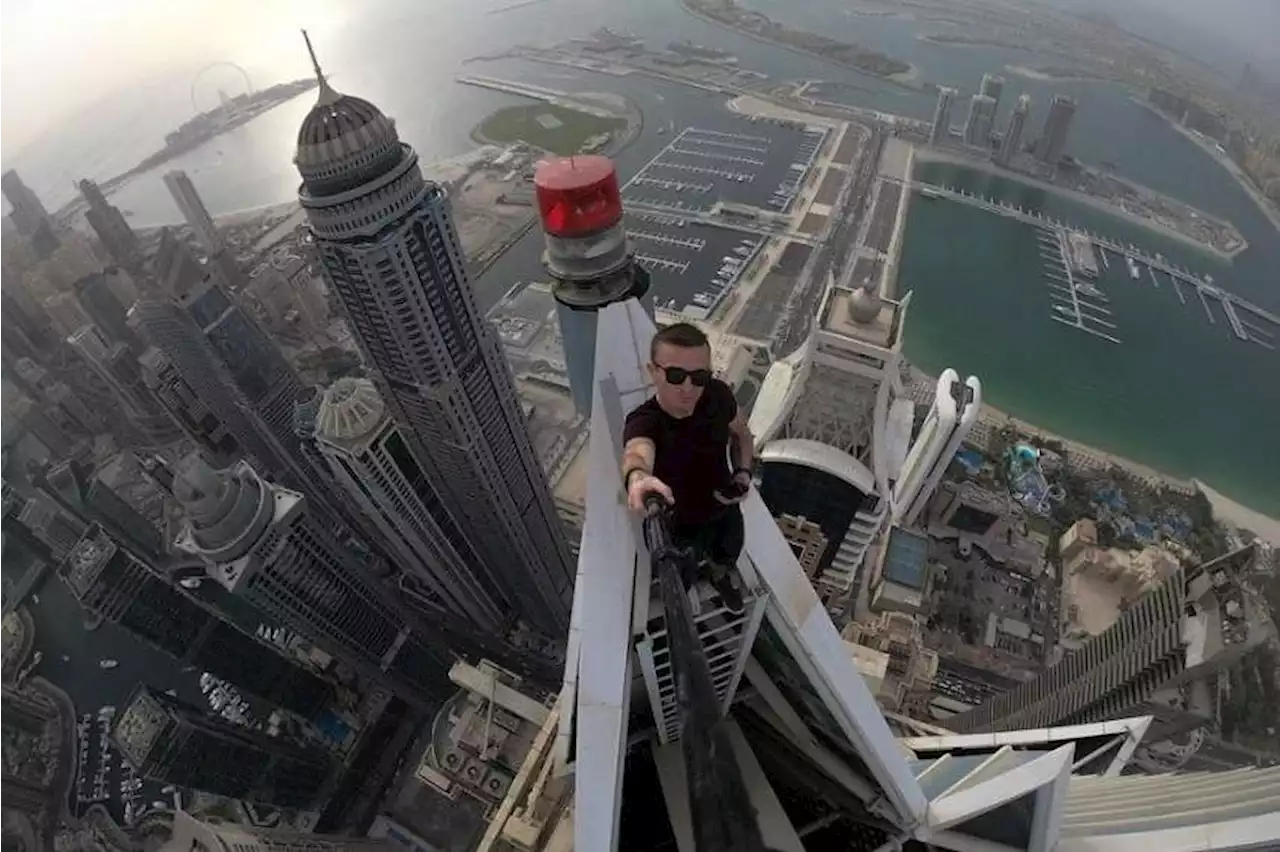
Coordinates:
<point>691,453</point>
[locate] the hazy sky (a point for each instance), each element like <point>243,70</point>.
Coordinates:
<point>60,57</point>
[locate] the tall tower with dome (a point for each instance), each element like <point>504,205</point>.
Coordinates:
<point>386,240</point>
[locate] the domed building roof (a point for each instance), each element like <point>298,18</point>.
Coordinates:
<point>351,410</point>
<point>864,305</point>
<point>340,127</point>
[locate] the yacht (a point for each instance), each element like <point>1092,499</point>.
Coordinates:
<point>108,664</point>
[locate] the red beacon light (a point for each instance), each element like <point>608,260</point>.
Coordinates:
<point>577,196</point>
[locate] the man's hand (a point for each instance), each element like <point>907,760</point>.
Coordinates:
<point>641,485</point>
<point>737,492</point>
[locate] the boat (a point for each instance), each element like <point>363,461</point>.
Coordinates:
<point>1064,310</point>
<point>108,664</point>
<point>1133,267</point>
<point>191,582</point>
<point>930,192</point>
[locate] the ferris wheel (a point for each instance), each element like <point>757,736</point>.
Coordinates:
<point>208,71</point>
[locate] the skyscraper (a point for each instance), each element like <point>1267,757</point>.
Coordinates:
<point>241,375</point>
<point>824,427</point>
<point>386,239</point>
<point>178,743</point>
<point>941,127</point>
<point>1184,630</point>
<point>28,213</point>
<point>45,530</point>
<point>193,210</point>
<point>108,580</point>
<point>260,541</point>
<point>118,496</point>
<point>115,365</point>
<point>370,459</point>
<point>194,835</point>
<point>109,224</point>
<point>103,307</point>
<point>1011,145</point>
<point>1053,141</point>
<point>192,414</point>
<point>981,121</point>
<point>993,87</point>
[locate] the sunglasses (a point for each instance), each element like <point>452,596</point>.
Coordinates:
<point>677,375</point>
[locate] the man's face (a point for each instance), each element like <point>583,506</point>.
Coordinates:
<point>690,364</point>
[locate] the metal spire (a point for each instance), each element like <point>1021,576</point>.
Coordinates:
<point>326,94</point>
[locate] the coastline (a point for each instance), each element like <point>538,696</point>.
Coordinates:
<point>1273,215</point>
<point>1225,509</point>
<point>928,154</point>
<point>910,75</point>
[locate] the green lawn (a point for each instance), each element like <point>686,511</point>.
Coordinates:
<point>553,128</point>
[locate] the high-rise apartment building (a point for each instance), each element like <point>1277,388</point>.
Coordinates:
<point>111,582</point>
<point>993,87</point>
<point>175,268</point>
<point>371,460</point>
<point>45,530</point>
<point>169,740</point>
<point>192,414</point>
<point>66,313</point>
<point>386,240</point>
<point>941,127</point>
<point>1182,632</point>
<point>28,209</point>
<point>191,834</point>
<point>115,366</point>
<point>981,121</point>
<point>193,210</point>
<point>111,227</point>
<point>103,307</point>
<point>117,495</point>
<point>1011,145</point>
<point>824,424</point>
<point>261,542</point>
<point>1053,140</point>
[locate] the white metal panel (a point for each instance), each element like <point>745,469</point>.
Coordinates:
<point>606,586</point>
<point>804,625</point>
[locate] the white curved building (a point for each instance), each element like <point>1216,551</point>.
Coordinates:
<point>832,425</point>
<point>955,409</point>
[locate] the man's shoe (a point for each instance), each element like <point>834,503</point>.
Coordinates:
<point>725,582</point>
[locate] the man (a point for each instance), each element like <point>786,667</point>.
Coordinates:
<point>680,443</point>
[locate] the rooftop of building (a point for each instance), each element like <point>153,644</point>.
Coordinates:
<point>858,313</point>
<point>906,558</point>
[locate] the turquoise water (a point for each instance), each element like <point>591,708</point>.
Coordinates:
<point>1178,394</point>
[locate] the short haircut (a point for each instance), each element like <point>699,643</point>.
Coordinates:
<point>682,334</point>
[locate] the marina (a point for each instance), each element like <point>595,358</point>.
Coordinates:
<point>1075,301</point>
<point>1249,322</point>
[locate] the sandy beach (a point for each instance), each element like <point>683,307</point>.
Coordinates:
<point>1229,511</point>
<point>1225,509</point>
<point>928,154</point>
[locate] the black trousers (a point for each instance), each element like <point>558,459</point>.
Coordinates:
<point>718,540</point>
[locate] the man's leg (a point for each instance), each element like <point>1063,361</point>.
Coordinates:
<point>726,537</point>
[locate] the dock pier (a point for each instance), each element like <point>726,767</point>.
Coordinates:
<point>1203,286</point>
<point>1234,319</point>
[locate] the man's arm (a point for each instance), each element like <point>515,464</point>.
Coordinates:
<point>742,444</point>
<point>638,455</point>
